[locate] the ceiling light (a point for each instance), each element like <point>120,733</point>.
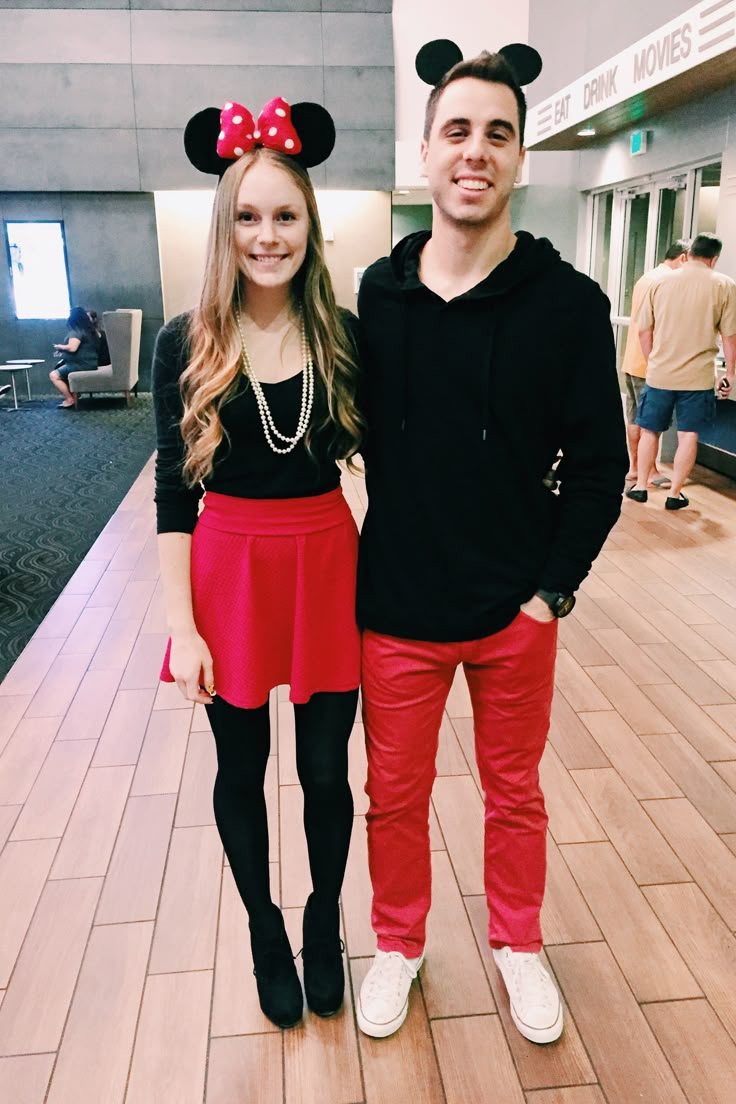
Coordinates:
<point>586,132</point>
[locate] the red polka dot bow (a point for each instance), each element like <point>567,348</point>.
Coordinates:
<point>240,133</point>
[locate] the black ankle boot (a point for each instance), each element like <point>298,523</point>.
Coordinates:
<point>324,975</point>
<point>279,991</point>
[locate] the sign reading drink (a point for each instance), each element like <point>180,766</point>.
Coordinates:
<point>703,32</point>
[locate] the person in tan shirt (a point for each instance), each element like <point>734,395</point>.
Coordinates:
<point>634,366</point>
<point>679,323</point>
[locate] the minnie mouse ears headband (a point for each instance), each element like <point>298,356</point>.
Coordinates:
<point>213,139</point>
<point>438,57</point>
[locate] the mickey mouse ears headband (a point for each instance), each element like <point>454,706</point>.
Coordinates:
<point>213,139</point>
<point>438,57</point>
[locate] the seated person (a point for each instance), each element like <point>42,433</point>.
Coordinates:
<point>79,353</point>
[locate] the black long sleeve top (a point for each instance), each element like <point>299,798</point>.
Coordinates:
<point>244,465</point>
<point>468,403</point>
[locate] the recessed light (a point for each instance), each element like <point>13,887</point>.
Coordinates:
<point>586,132</point>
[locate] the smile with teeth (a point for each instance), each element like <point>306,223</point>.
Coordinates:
<point>473,184</point>
<point>268,259</point>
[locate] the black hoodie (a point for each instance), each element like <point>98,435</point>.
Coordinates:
<point>468,403</point>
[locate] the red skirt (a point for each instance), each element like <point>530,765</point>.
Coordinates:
<point>273,591</point>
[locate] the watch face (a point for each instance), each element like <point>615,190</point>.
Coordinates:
<point>564,605</point>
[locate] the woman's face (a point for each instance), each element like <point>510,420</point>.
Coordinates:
<point>271,227</point>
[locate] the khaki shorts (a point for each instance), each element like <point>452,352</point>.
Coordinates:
<point>634,388</point>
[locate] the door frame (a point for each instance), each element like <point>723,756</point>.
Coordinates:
<point>653,185</point>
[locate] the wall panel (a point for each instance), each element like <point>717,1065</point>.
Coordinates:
<point>358,159</point>
<point>94,99</point>
<point>124,73</point>
<point>360,98</point>
<point>43,160</point>
<point>226,38</point>
<point>166,96</point>
<point>229,5</point>
<point>361,39</point>
<point>112,254</point>
<point>66,96</point>
<point>65,36</point>
<point>357,5</point>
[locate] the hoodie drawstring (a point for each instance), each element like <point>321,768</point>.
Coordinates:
<point>488,364</point>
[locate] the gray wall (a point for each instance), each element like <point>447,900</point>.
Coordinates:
<point>548,206</point>
<point>698,131</point>
<point>113,262</point>
<point>94,97</point>
<point>407,218</point>
<point>122,77</point>
<point>574,36</point>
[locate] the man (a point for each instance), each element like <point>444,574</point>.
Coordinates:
<point>679,323</point>
<point>485,354</point>
<point>634,366</point>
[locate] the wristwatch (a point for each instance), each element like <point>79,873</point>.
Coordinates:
<point>560,604</point>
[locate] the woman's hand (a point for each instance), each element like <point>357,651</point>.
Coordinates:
<point>190,663</point>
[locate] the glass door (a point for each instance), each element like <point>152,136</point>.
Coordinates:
<point>671,210</point>
<point>631,228</point>
<point>601,238</point>
<point>705,206</point>
<point>634,253</point>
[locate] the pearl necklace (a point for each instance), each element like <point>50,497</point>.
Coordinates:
<point>305,412</point>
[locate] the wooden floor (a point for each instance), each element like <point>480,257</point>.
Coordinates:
<point>124,963</point>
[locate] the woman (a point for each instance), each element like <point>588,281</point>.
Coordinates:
<point>262,593</point>
<point>79,353</point>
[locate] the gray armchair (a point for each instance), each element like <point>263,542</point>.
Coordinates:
<point>123,329</point>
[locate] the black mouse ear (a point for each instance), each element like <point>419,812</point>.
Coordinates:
<point>200,142</point>
<point>524,60</point>
<point>316,130</point>
<point>437,58</point>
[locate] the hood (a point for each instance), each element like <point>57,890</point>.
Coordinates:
<point>529,258</point>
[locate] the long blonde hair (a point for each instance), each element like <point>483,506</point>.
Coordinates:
<point>213,372</point>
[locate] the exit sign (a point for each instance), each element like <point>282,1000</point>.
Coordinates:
<point>638,143</point>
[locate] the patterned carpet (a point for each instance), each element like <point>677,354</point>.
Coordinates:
<point>64,473</point>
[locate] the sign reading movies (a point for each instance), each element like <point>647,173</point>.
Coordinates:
<point>701,33</point>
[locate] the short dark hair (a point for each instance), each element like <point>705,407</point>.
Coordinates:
<point>676,250</point>
<point>79,320</point>
<point>488,67</point>
<point>706,246</point>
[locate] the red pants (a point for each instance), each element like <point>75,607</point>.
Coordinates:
<point>405,686</point>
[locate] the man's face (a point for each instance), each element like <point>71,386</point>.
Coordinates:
<point>473,157</point>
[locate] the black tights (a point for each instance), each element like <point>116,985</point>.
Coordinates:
<point>243,739</point>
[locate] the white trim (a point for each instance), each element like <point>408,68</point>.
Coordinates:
<point>591,219</point>
<point>659,177</point>
<point>650,251</point>
<point>691,200</point>
<point>622,193</point>
<point>619,225</point>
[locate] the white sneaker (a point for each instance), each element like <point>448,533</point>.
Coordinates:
<point>536,1008</point>
<point>384,994</point>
